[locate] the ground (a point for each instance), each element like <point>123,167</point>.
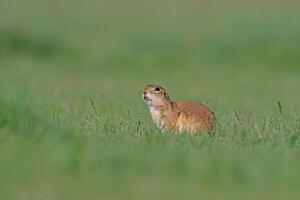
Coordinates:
<point>73,124</point>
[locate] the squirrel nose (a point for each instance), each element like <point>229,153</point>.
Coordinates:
<point>144,92</point>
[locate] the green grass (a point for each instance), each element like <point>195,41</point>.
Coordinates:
<point>73,124</point>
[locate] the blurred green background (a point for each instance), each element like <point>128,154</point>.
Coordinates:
<point>73,124</point>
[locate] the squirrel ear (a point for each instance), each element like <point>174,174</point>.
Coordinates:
<point>166,95</point>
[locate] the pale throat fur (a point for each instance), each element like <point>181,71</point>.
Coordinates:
<point>163,116</point>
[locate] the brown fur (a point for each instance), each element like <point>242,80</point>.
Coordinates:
<point>180,116</point>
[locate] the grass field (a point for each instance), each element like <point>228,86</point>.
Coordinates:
<point>73,124</point>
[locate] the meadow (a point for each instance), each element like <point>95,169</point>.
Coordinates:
<point>73,124</point>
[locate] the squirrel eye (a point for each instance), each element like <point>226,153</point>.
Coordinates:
<point>157,89</point>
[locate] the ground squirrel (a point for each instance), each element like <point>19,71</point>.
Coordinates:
<point>180,116</point>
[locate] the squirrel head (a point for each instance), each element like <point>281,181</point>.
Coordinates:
<point>155,95</point>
